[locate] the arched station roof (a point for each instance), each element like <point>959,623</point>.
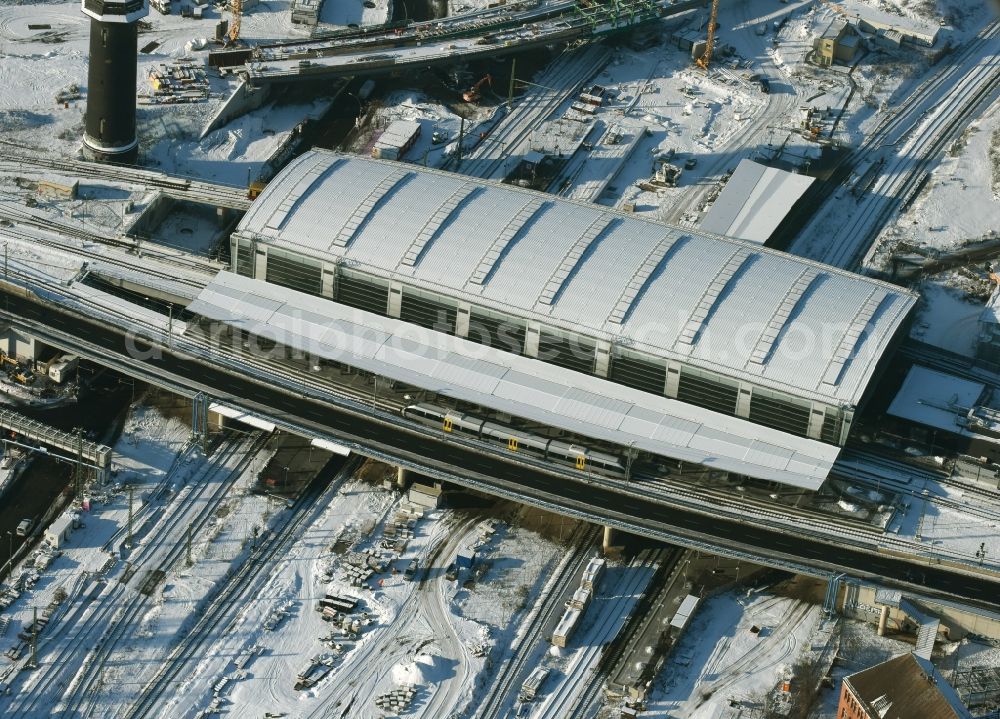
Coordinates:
<point>721,304</point>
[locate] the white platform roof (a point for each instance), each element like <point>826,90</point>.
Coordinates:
<point>524,387</point>
<point>725,305</point>
<point>754,202</point>
<point>936,399</point>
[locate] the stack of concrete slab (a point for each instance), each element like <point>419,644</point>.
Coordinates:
<point>305,12</point>
<point>396,701</point>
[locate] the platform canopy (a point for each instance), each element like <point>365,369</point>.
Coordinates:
<point>523,387</point>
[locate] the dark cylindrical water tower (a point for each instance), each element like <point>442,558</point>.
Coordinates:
<point>109,134</point>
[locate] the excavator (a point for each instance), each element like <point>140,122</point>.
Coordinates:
<point>706,57</point>
<point>15,371</point>
<point>474,93</point>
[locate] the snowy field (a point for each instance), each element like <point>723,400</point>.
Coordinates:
<point>430,632</point>
<point>969,176</point>
<point>719,660</point>
<point>35,65</point>
<point>438,635</point>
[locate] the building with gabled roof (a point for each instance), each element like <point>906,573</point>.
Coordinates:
<point>906,687</point>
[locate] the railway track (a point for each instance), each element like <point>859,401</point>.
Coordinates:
<point>797,521</point>
<point>489,158</point>
<point>928,145</point>
<point>547,606</point>
<point>590,700</point>
<point>580,691</point>
<point>966,90</point>
<point>79,238</point>
<point>226,598</point>
<point>118,606</point>
<point>876,470</point>
<point>179,187</point>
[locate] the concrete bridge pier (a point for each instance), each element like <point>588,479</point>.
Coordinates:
<point>883,620</point>
<point>402,477</point>
<point>608,545</point>
<point>199,419</point>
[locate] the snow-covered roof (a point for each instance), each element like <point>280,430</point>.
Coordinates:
<point>684,612</point>
<point>877,19</point>
<point>991,312</point>
<point>521,386</point>
<point>906,687</point>
<point>754,202</point>
<point>936,399</point>
<point>725,305</point>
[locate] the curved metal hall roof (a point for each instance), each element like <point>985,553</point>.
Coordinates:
<point>724,305</point>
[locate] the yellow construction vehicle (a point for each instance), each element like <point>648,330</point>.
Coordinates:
<point>706,56</point>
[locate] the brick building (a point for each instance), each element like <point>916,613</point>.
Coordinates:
<point>906,687</point>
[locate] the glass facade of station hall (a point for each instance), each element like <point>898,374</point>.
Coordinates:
<point>354,287</point>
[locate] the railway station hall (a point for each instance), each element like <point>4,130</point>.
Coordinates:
<point>565,319</point>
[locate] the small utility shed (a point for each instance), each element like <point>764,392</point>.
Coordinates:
<point>58,532</point>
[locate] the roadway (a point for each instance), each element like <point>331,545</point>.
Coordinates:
<point>357,61</point>
<point>464,465</point>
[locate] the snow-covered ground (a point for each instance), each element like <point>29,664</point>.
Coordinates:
<point>432,116</point>
<point>35,65</point>
<point>968,177</point>
<point>149,446</point>
<point>719,659</point>
<point>431,632</point>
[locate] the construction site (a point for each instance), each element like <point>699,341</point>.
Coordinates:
<point>341,374</point>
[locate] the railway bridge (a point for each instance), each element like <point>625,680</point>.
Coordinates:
<point>536,326</point>
<point>83,451</point>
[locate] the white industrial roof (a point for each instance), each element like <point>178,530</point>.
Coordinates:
<point>684,612</point>
<point>936,399</point>
<point>906,25</point>
<point>451,366</point>
<point>754,202</point>
<point>721,304</point>
<point>991,312</point>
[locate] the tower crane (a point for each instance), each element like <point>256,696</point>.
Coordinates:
<point>836,8</point>
<point>706,57</point>
<point>236,7</point>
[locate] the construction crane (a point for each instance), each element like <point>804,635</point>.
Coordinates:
<point>474,93</point>
<point>236,7</point>
<point>834,6</point>
<point>706,56</point>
